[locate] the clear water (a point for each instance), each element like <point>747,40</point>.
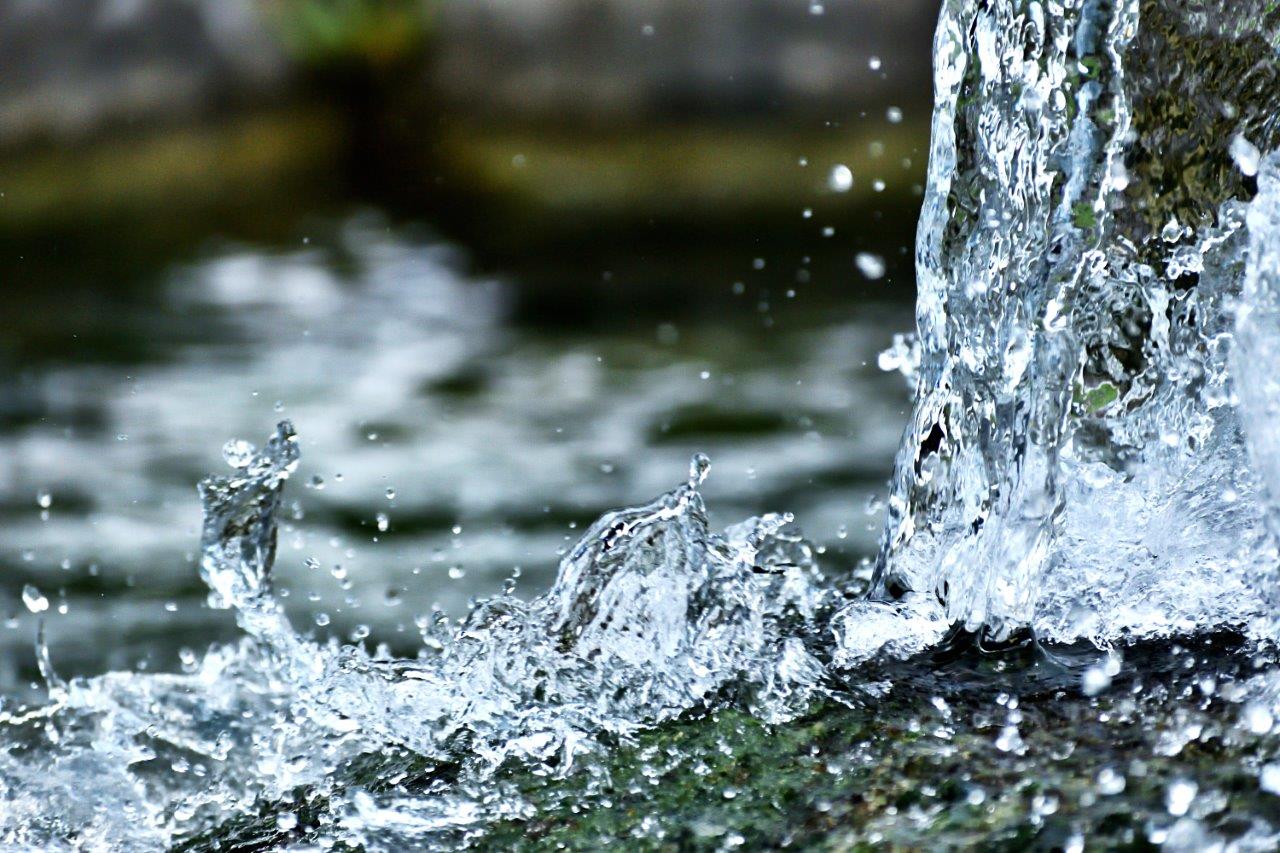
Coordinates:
<point>1077,460</point>
<point>1092,456</point>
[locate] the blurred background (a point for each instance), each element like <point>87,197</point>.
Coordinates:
<point>505,263</point>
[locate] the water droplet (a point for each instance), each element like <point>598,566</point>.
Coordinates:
<point>1269,778</point>
<point>871,266</point>
<point>286,821</point>
<point>391,494</point>
<point>238,453</point>
<point>1257,718</point>
<point>316,482</point>
<point>1009,740</point>
<point>35,601</point>
<point>894,115</point>
<point>874,63</point>
<point>841,178</point>
<point>1180,796</point>
<point>1110,782</point>
<point>699,467</point>
<point>44,499</point>
<point>1094,681</point>
<point>322,619</point>
<point>1246,155</point>
<point>383,522</point>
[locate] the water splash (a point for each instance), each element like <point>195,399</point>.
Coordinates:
<point>1076,461</point>
<point>652,614</point>
<point>1093,454</point>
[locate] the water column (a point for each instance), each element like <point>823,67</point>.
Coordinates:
<point>1075,461</point>
<point>1029,114</point>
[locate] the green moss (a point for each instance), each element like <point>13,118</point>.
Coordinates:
<point>1097,398</point>
<point>898,773</point>
<point>378,33</point>
<point>1195,85</point>
<point>919,767</point>
<point>1082,215</point>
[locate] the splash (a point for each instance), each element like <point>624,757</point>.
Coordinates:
<point>1093,454</point>
<point>1094,437</point>
<point>652,614</point>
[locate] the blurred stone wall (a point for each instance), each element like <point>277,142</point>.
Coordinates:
<point>620,58</point>
<point>70,68</point>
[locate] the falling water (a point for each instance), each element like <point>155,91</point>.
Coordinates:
<point>1093,235</point>
<point>1093,455</point>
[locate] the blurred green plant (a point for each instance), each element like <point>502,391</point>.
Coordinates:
<point>375,33</point>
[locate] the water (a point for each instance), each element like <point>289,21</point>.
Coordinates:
<point>1076,461</point>
<point>406,373</point>
<point>1069,627</point>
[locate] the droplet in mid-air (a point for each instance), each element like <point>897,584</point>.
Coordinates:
<point>1110,782</point>
<point>34,599</point>
<point>699,467</point>
<point>238,453</point>
<point>841,178</point>
<point>871,266</point>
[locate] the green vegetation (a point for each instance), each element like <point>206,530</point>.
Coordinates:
<point>378,33</point>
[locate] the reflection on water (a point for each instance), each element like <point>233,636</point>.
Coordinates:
<point>444,445</point>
